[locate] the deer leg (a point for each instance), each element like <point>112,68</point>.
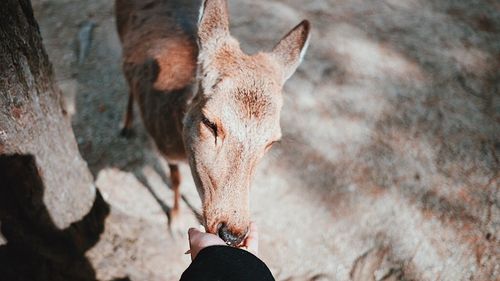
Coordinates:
<point>175,178</point>
<point>126,130</point>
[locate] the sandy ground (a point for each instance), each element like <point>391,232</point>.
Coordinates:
<point>389,168</point>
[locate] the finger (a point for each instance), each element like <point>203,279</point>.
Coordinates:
<point>253,232</point>
<point>192,232</point>
<point>252,241</point>
<point>191,236</point>
<point>253,227</point>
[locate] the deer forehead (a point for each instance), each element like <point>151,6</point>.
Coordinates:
<point>245,92</point>
<point>246,112</point>
<point>254,81</point>
<point>229,60</point>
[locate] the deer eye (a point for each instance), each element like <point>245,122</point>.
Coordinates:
<point>211,125</point>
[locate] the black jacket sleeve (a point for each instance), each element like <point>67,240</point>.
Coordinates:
<point>223,263</point>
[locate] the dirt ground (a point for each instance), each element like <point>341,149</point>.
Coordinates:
<point>389,166</point>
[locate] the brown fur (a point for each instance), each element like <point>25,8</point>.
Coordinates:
<point>228,126</point>
<point>159,62</point>
<point>254,103</point>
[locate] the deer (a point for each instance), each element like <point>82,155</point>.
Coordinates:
<point>204,101</point>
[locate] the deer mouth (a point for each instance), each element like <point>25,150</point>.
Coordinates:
<point>230,238</point>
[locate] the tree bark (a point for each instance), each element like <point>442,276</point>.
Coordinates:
<point>33,120</point>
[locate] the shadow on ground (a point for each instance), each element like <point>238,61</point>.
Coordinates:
<point>36,249</point>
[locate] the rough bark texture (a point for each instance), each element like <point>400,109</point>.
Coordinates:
<point>32,120</point>
<point>50,213</point>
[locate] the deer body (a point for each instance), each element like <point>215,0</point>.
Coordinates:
<point>159,63</point>
<point>203,100</point>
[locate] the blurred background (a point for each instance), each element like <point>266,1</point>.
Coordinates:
<point>390,161</point>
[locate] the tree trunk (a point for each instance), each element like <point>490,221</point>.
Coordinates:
<point>50,211</point>
<point>32,119</point>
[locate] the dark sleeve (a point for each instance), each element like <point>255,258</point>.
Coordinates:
<point>223,263</point>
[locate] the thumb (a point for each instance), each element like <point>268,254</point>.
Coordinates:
<point>192,232</point>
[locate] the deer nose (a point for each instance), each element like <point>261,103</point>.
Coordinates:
<point>231,238</point>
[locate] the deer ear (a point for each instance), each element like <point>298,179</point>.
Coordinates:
<point>292,47</point>
<point>213,21</point>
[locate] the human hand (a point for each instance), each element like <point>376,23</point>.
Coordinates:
<point>199,240</point>
<point>251,242</point>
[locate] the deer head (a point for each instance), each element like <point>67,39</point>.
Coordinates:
<point>234,118</point>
